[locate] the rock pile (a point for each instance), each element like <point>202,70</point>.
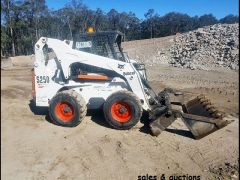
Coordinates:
<point>207,47</point>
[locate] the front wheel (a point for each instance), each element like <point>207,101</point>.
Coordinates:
<point>122,110</point>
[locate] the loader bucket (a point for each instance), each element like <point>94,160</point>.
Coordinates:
<point>198,114</point>
<point>201,117</point>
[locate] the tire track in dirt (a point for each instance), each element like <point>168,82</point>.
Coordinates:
<point>16,91</point>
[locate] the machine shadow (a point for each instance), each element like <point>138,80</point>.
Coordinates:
<point>40,111</point>
<point>145,121</point>
<point>97,117</point>
<point>181,132</point>
<point>37,110</point>
<point>146,128</point>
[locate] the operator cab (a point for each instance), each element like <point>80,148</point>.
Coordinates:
<point>107,44</point>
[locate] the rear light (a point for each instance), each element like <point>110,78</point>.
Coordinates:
<point>33,84</point>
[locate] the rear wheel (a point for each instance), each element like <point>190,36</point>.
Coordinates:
<point>67,108</point>
<point>122,110</point>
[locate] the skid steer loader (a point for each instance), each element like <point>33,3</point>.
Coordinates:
<point>93,72</point>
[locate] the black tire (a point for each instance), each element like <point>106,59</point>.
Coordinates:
<point>131,102</point>
<point>75,105</point>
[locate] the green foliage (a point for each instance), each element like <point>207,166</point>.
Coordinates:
<point>207,20</point>
<point>25,21</point>
<point>230,19</point>
<point>5,41</point>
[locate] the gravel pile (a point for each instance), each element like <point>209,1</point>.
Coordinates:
<point>207,47</point>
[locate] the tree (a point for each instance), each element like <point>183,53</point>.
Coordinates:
<point>149,16</point>
<point>133,28</point>
<point>100,20</point>
<point>5,42</point>
<point>229,19</point>
<point>113,17</point>
<point>207,20</point>
<point>7,7</point>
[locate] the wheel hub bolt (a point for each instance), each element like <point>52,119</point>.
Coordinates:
<point>66,109</point>
<point>122,110</point>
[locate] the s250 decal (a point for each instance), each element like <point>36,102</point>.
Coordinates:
<point>42,79</point>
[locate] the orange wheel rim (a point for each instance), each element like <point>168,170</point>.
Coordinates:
<point>121,111</point>
<point>64,111</point>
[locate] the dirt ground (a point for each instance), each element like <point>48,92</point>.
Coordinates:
<point>34,148</point>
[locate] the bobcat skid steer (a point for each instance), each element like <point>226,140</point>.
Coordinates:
<point>93,72</point>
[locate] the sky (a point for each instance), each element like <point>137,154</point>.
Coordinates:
<point>219,8</point>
